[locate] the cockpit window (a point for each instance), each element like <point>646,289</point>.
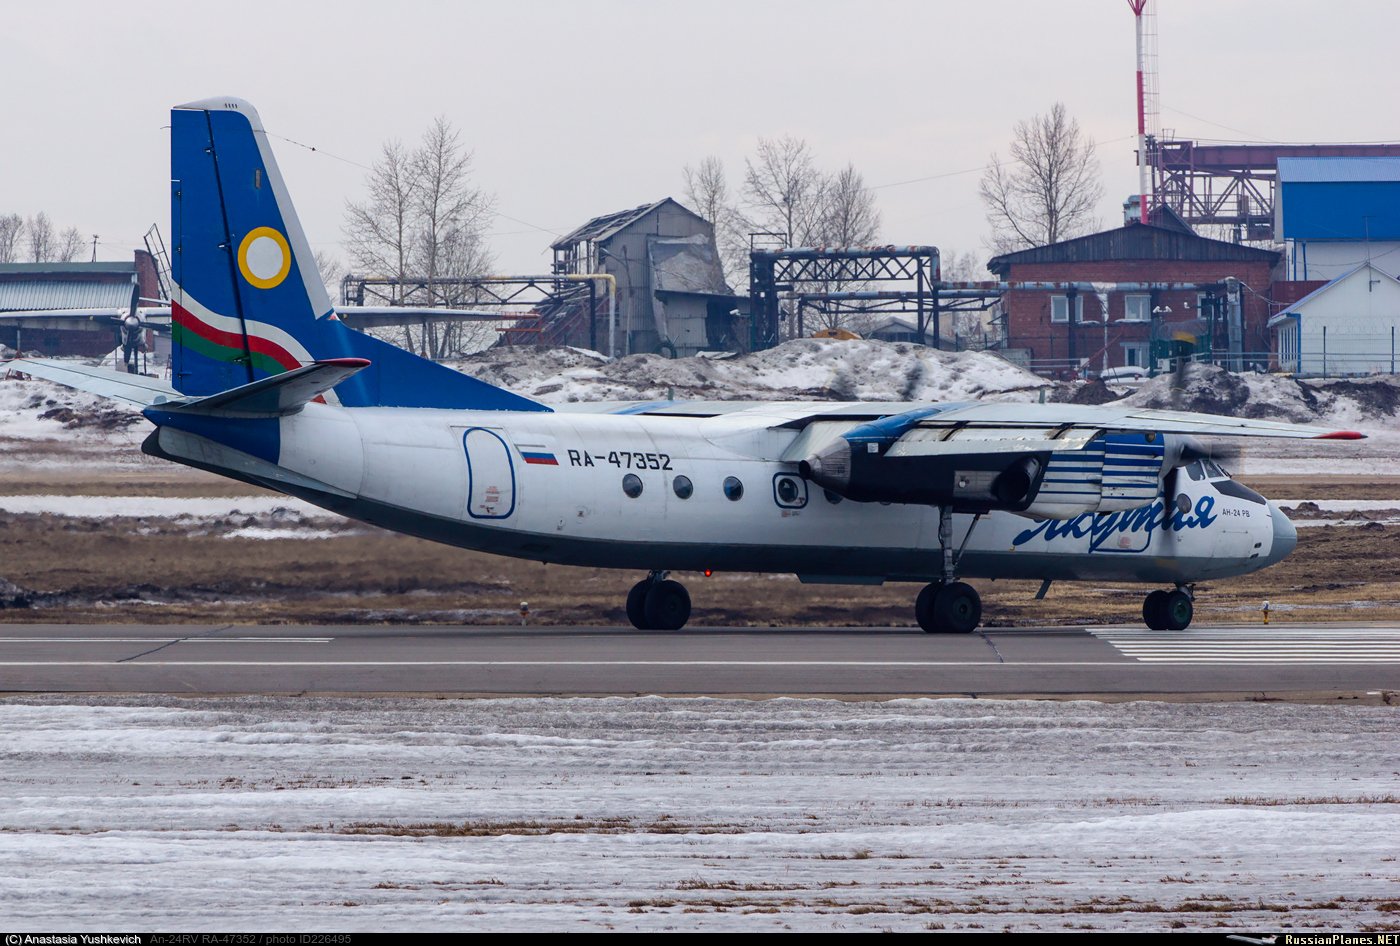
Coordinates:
<point>1194,471</point>
<point>1213,470</point>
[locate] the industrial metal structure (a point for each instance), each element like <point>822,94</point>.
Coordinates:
<point>830,273</point>
<point>527,300</point>
<point>1234,185</point>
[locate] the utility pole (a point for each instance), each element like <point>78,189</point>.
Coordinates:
<point>94,247</point>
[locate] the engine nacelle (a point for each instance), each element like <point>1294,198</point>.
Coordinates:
<point>1108,473</point>
<point>865,472</point>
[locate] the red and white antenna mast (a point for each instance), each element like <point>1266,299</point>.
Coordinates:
<point>1146,22</point>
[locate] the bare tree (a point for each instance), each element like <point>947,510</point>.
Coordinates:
<point>706,190</point>
<point>329,269</point>
<point>971,327</point>
<point>707,193</point>
<point>68,246</point>
<point>849,215</point>
<point>1048,189</point>
<point>41,238</point>
<point>784,189</point>
<point>786,193</point>
<point>961,267</point>
<point>452,220</point>
<point>424,218</point>
<point>381,232</point>
<point>11,233</point>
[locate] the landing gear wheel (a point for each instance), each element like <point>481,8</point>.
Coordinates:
<point>1154,610</point>
<point>923,607</point>
<point>636,605</point>
<point>667,606</point>
<point>958,608</point>
<point>948,609</point>
<point>1178,611</point>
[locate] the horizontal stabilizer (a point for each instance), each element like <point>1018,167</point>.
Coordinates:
<point>280,394</point>
<point>132,388</point>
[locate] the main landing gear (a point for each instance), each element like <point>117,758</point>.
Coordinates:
<point>948,606</point>
<point>657,603</point>
<point>1169,610</point>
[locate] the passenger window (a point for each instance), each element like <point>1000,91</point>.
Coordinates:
<point>733,489</point>
<point>632,485</point>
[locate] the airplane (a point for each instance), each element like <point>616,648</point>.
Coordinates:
<point>270,388</point>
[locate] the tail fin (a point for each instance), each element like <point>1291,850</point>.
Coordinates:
<point>248,300</point>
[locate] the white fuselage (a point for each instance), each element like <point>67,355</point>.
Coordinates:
<point>554,487</point>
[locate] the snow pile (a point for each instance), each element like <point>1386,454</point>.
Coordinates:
<point>31,409</point>
<point>802,369</point>
<point>1213,390</point>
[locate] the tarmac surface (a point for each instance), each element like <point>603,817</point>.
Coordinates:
<point>1288,661</point>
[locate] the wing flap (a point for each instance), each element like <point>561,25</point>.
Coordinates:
<point>954,441</point>
<point>1127,419</point>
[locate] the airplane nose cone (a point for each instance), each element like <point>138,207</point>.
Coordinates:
<point>1285,534</point>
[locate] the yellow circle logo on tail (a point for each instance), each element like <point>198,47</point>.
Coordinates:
<point>264,258</point>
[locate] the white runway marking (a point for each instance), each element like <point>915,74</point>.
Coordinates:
<point>1257,644</point>
<point>166,640</point>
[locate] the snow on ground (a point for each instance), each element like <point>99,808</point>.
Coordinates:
<point>232,517</point>
<point>805,368</point>
<point>654,814</point>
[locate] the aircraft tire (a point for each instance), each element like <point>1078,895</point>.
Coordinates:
<point>667,606</point>
<point>1177,611</point>
<point>923,608</point>
<point>636,605</point>
<point>1154,610</point>
<point>957,608</point>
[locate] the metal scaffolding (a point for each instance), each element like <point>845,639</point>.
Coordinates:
<point>772,272</point>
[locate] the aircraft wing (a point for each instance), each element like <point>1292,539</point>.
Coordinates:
<point>1120,418</point>
<point>135,389</point>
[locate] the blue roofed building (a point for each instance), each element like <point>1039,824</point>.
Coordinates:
<point>1336,213</point>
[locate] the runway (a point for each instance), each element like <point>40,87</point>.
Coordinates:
<point>1294,661</point>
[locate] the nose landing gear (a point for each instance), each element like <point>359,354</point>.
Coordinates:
<point>1169,610</point>
<point>657,603</point>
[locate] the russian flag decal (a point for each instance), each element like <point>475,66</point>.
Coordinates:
<point>540,457</point>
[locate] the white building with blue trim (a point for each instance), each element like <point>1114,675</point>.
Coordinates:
<point>1351,326</point>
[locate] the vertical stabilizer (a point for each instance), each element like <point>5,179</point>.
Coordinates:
<point>247,300</point>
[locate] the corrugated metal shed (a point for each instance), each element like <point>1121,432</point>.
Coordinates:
<point>1317,170</point>
<point>1135,241</point>
<point>28,287</point>
<point>32,294</point>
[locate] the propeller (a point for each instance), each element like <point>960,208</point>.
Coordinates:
<point>1183,450</point>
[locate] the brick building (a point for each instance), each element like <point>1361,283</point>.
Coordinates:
<point>1181,292</point>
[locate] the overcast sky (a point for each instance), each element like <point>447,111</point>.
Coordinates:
<point>577,109</point>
